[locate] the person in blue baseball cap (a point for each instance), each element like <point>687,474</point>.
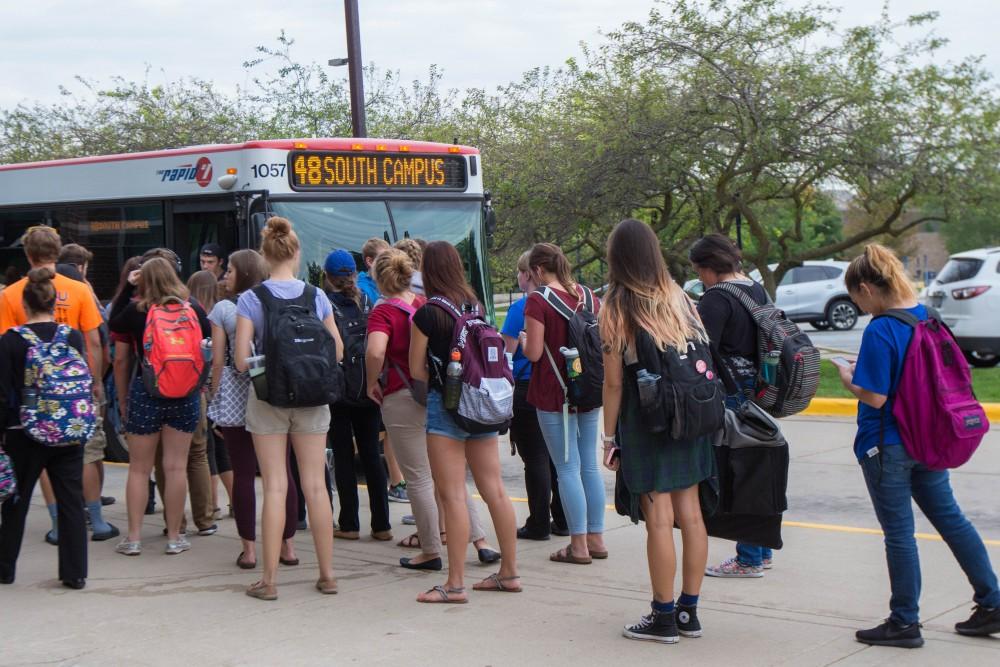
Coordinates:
<point>355,418</point>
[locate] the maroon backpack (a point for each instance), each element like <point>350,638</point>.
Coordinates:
<point>487,400</point>
<point>940,421</point>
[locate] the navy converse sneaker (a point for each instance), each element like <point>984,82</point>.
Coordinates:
<point>687,621</point>
<point>654,627</point>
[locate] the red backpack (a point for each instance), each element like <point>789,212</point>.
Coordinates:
<point>173,364</point>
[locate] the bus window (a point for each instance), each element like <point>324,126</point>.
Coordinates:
<point>13,225</point>
<point>323,226</point>
<point>113,234</point>
<point>457,222</point>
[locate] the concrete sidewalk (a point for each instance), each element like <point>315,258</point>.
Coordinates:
<point>190,609</point>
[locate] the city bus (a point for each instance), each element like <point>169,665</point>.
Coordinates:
<point>337,192</point>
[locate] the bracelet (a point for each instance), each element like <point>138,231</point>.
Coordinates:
<point>607,439</point>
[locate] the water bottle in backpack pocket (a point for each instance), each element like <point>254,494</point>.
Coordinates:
<point>583,354</point>
<point>684,397</point>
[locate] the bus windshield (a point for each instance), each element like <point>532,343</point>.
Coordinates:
<point>323,226</point>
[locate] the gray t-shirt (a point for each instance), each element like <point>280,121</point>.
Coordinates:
<point>224,315</point>
<point>249,306</point>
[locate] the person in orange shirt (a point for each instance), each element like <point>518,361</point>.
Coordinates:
<point>76,308</point>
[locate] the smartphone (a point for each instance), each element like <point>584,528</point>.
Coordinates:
<point>612,455</point>
<point>842,361</point>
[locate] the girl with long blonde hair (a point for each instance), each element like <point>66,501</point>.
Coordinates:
<point>662,474</point>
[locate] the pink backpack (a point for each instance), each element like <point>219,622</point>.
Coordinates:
<point>940,421</point>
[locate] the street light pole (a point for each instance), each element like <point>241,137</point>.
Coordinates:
<point>355,69</point>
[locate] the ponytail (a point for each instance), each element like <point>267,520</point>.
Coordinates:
<point>550,257</point>
<point>880,268</point>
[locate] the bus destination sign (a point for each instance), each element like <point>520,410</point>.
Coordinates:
<point>333,170</point>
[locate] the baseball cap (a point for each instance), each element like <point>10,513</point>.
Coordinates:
<point>211,250</point>
<point>340,263</point>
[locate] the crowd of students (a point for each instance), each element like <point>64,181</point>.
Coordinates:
<point>392,328</point>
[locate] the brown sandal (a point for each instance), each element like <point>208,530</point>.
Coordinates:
<point>495,582</point>
<point>263,591</point>
<point>443,596</point>
<point>567,556</point>
<point>410,542</point>
<point>327,586</point>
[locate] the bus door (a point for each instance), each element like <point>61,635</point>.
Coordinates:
<point>198,222</point>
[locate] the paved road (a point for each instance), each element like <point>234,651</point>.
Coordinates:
<point>843,341</point>
<point>190,609</point>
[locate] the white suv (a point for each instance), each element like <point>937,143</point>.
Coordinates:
<point>967,294</point>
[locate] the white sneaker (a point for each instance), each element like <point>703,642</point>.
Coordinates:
<point>180,546</point>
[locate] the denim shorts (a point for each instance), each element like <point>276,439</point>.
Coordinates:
<point>148,414</point>
<point>440,422</point>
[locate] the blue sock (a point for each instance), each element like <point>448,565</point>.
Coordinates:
<point>54,514</point>
<point>663,607</point>
<point>97,522</point>
<point>686,600</point>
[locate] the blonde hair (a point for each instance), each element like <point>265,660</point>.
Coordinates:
<point>642,296</point>
<point>204,287</point>
<point>880,268</point>
<point>392,271</point>
<point>373,247</point>
<point>159,283</point>
<point>522,262</point>
<point>279,243</point>
<point>412,250</point>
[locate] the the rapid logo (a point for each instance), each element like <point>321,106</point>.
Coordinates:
<point>200,172</point>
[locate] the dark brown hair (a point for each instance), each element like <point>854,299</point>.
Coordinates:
<point>39,292</point>
<point>718,253</point>
<point>250,268</point>
<point>130,265</point>
<point>74,253</point>
<point>550,257</point>
<point>279,243</point>
<point>444,274</point>
<point>42,245</point>
<point>346,285</point>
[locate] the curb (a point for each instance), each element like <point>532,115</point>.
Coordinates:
<point>846,407</point>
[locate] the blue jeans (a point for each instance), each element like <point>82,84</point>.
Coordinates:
<point>747,554</point>
<point>893,478</point>
<point>581,487</point>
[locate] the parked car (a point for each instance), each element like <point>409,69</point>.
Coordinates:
<point>814,292</point>
<point>967,295</point>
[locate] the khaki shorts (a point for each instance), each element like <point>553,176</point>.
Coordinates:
<point>93,451</point>
<point>265,419</point>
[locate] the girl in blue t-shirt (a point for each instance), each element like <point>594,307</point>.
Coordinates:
<point>877,282</point>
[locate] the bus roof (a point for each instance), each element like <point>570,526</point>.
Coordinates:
<point>330,144</point>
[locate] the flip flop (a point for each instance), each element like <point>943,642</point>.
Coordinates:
<point>262,591</point>
<point>495,583</point>
<point>444,596</point>
<point>291,562</point>
<point>566,556</point>
<point>244,565</point>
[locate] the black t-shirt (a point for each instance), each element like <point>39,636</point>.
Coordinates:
<point>728,324</point>
<point>126,318</point>
<point>13,349</point>
<point>439,327</point>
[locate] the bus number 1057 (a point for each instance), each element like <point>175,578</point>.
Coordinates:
<point>264,170</point>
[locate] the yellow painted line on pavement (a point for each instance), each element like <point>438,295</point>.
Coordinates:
<point>846,407</point>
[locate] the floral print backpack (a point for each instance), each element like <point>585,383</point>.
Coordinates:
<point>61,413</point>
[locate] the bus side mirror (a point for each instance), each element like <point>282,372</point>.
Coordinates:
<point>489,216</point>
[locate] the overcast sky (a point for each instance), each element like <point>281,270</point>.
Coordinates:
<point>482,43</point>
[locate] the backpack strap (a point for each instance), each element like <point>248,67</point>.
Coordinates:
<point>560,306</point>
<point>450,308</point>
<point>904,316</point>
<point>402,305</point>
<point>739,294</point>
<point>28,335</point>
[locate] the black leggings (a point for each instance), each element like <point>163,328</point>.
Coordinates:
<point>65,468</point>
<point>218,454</point>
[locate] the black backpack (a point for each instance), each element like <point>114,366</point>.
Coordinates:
<point>586,391</point>
<point>353,325</point>
<point>798,368</point>
<point>687,401</point>
<point>301,355</point>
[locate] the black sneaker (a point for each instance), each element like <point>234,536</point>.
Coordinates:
<point>892,634</point>
<point>687,621</point>
<point>559,531</point>
<point>982,623</point>
<point>654,627</point>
